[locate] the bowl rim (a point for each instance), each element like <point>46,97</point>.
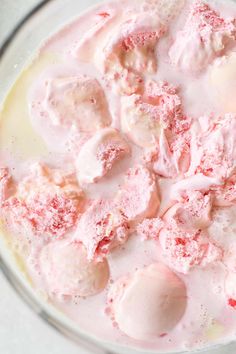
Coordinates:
<point>12,34</point>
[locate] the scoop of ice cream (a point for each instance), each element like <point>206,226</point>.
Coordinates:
<point>99,154</point>
<point>192,211</point>
<point>62,102</point>
<point>205,36</point>
<point>138,197</point>
<point>144,116</point>
<point>141,128</point>
<point>46,203</point>
<point>213,150</point>
<point>171,155</point>
<point>185,249</point>
<point>101,228</point>
<point>196,182</point>
<point>84,48</point>
<point>225,195</point>
<point>148,303</point>
<point>131,50</point>
<point>67,272</point>
<point>77,100</point>
<point>222,78</point>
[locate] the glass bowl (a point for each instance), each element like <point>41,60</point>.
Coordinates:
<point>17,51</point>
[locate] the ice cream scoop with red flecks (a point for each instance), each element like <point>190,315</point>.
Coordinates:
<point>63,103</point>
<point>225,195</point>
<point>155,121</point>
<point>46,203</point>
<point>99,154</point>
<point>213,150</point>
<point>193,210</point>
<point>143,117</point>
<point>131,51</point>
<point>138,197</point>
<point>171,155</point>
<point>78,100</point>
<point>101,228</point>
<point>185,249</point>
<point>205,36</point>
<point>67,272</point>
<point>147,303</point>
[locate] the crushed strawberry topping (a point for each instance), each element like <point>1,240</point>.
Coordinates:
<point>44,215</point>
<point>140,39</point>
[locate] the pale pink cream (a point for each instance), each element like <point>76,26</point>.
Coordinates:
<point>68,272</point>
<point>148,303</point>
<point>138,197</point>
<point>130,52</point>
<point>46,203</point>
<point>99,154</point>
<point>206,35</point>
<point>101,228</point>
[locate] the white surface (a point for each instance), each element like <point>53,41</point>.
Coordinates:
<point>21,331</point>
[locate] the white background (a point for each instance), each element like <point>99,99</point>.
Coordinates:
<point>21,331</point>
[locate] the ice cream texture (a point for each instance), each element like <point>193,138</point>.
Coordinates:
<point>118,173</point>
<point>149,303</point>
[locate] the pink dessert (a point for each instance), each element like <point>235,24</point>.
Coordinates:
<point>124,219</point>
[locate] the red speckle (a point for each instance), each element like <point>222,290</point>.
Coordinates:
<point>50,215</point>
<point>139,40</point>
<point>180,241</point>
<point>232,303</point>
<point>104,14</point>
<point>163,335</point>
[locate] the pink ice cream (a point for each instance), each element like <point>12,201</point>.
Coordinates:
<point>155,121</point>
<point>143,116</point>
<point>193,210</point>
<point>67,271</point>
<point>205,36</point>
<point>150,228</point>
<point>225,194</point>
<point>77,100</point>
<point>64,103</point>
<point>214,148</point>
<point>138,197</point>
<point>101,228</point>
<point>99,154</point>
<point>148,303</point>
<point>187,249</point>
<point>130,51</point>
<point>46,203</point>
